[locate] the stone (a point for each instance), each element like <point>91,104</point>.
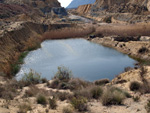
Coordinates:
<point>145,38</point>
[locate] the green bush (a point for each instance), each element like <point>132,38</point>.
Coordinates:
<point>31,78</point>
<point>63,96</point>
<point>83,92</point>
<point>52,103</point>
<point>16,67</point>
<point>67,110</point>
<point>79,103</point>
<point>63,74</point>
<point>41,100</point>
<point>76,83</point>
<point>102,82</point>
<point>113,96</point>
<point>135,86</point>
<point>96,92</point>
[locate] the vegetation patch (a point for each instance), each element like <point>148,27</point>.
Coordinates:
<point>147,107</point>
<point>63,79</point>
<point>52,103</point>
<point>31,78</point>
<point>79,103</point>
<point>113,96</point>
<point>67,110</point>
<point>102,82</point>
<point>41,99</point>
<point>16,67</point>
<point>24,108</point>
<point>96,92</point>
<point>143,50</point>
<point>135,86</point>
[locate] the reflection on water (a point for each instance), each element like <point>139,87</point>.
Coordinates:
<point>87,60</point>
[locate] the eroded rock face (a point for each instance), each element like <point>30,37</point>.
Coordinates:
<point>122,6</point>
<point>35,3</point>
<point>59,11</point>
<point>83,9</point>
<point>10,8</point>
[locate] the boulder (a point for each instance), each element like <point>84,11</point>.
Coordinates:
<point>145,38</point>
<point>59,11</point>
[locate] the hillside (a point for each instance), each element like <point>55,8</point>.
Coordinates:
<point>117,11</point>
<point>122,6</point>
<point>76,3</point>
<point>11,8</point>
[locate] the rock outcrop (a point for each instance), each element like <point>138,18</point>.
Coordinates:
<point>9,8</point>
<point>121,6</point>
<point>117,11</point>
<point>22,37</point>
<point>84,9</point>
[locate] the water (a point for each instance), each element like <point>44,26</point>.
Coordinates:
<point>87,60</point>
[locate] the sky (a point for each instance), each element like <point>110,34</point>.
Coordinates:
<point>65,3</point>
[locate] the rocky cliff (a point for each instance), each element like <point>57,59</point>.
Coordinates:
<point>23,37</point>
<point>122,6</point>
<point>43,5</point>
<point>9,8</point>
<point>84,9</point>
<point>118,6</point>
<point>117,11</point>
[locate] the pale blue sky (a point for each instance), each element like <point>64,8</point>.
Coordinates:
<point>65,3</point>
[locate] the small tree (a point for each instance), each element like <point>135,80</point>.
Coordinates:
<point>63,74</point>
<point>32,77</point>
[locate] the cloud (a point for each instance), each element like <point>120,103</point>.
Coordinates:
<point>65,3</point>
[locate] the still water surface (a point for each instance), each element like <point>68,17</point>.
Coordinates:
<point>87,60</point>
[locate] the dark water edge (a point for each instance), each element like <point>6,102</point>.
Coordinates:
<point>87,60</point>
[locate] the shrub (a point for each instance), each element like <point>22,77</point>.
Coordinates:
<point>44,80</point>
<point>113,96</point>
<point>63,96</point>
<point>67,110</point>
<point>52,103</point>
<point>76,83</point>
<point>63,74</point>
<point>41,100</point>
<point>126,69</point>
<point>145,88</point>
<point>83,92</point>
<point>9,90</point>
<point>147,107</point>
<point>135,86</point>
<point>34,91</point>
<point>136,98</point>
<point>79,103</point>
<point>142,50</point>
<point>102,82</point>
<point>64,85</point>
<point>121,91</point>
<point>31,78</point>
<point>16,67</point>
<point>96,92</point>
<point>54,84</point>
<point>23,108</point>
